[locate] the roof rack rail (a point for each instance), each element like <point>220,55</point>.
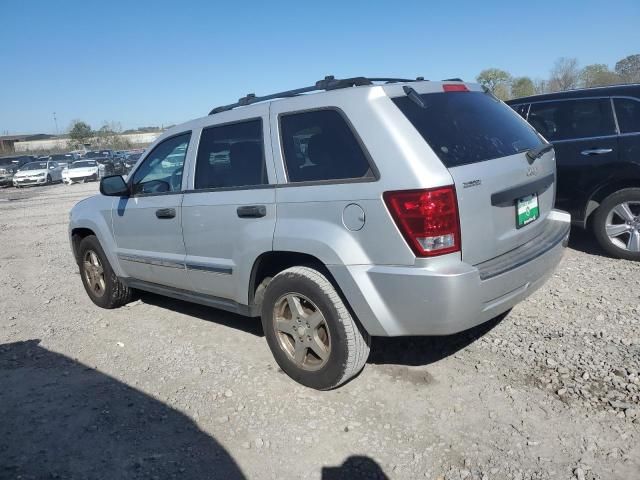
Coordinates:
<point>327,83</point>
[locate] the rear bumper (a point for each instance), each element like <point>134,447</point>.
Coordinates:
<point>5,180</point>
<point>452,297</point>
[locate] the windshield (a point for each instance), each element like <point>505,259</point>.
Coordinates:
<point>93,155</point>
<point>62,158</point>
<point>6,162</point>
<point>468,127</point>
<point>35,166</point>
<point>83,164</point>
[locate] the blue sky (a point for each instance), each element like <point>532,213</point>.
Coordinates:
<point>151,63</point>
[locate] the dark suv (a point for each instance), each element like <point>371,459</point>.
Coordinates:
<point>596,136</point>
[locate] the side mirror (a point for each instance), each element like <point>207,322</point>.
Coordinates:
<point>114,186</point>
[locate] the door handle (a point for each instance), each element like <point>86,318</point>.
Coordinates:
<point>166,213</point>
<point>596,151</point>
<point>252,211</point>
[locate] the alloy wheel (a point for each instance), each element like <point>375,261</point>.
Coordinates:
<point>622,226</point>
<point>94,273</point>
<point>302,331</point>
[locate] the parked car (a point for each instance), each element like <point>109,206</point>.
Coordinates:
<point>415,208</point>
<point>81,171</point>
<point>106,153</point>
<point>596,136</point>
<point>64,159</point>
<point>9,166</point>
<point>130,160</point>
<point>41,172</point>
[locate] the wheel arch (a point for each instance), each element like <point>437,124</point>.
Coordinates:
<point>271,263</point>
<point>77,235</point>
<point>602,192</point>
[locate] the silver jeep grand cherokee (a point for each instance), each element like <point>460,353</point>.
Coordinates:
<point>373,207</point>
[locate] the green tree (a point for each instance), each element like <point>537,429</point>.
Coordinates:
<point>79,133</point>
<point>496,80</point>
<point>522,87</point>
<point>597,75</point>
<point>628,69</point>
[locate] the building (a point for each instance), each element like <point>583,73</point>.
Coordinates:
<point>62,143</point>
<point>8,142</point>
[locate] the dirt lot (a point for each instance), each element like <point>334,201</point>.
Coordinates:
<point>164,389</point>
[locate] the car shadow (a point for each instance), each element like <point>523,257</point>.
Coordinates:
<point>355,467</point>
<point>62,419</point>
<point>209,314</point>
<point>584,241</point>
<point>420,351</point>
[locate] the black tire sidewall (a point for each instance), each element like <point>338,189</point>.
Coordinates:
<point>91,243</point>
<point>599,222</point>
<point>332,372</point>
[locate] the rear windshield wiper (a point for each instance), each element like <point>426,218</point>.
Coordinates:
<point>414,96</point>
<point>535,153</point>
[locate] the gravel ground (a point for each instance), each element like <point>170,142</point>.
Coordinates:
<point>165,389</point>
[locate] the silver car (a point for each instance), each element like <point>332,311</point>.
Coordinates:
<point>367,208</point>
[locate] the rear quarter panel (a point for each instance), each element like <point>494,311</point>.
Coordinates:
<point>310,216</point>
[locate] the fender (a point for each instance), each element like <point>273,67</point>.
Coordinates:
<point>94,213</point>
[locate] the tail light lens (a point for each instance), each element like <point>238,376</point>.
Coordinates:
<point>428,219</point>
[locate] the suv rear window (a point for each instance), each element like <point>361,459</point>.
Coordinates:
<point>468,127</point>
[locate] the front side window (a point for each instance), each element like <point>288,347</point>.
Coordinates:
<point>231,156</point>
<point>628,113</point>
<point>161,171</point>
<point>319,145</point>
<point>522,109</point>
<point>569,119</point>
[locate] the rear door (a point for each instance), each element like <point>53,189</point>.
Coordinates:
<point>229,212</point>
<point>628,115</point>
<point>483,143</point>
<point>148,225</point>
<point>583,134</point>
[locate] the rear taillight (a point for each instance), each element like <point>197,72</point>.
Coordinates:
<point>428,219</point>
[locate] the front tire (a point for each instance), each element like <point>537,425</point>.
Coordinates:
<point>312,335</point>
<point>49,180</point>
<point>616,224</point>
<point>99,280</point>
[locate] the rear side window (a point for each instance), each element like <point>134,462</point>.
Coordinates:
<point>231,156</point>
<point>628,113</point>
<point>468,127</point>
<point>573,119</point>
<point>319,145</point>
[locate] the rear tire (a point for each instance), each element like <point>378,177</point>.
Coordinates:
<point>616,224</point>
<point>99,280</point>
<point>312,335</point>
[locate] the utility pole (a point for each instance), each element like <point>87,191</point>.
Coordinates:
<point>55,120</point>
